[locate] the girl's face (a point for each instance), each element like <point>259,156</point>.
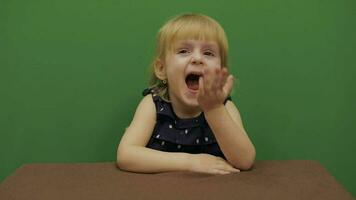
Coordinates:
<point>184,65</point>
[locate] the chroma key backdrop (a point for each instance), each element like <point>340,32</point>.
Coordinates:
<point>72,73</point>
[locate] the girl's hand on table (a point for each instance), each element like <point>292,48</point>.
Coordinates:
<point>206,163</point>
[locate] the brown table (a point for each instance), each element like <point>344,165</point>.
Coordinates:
<point>267,180</point>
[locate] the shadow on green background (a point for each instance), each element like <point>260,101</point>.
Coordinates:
<point>72,72</point>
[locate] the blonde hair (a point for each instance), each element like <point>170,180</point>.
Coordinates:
<point>183,27</point>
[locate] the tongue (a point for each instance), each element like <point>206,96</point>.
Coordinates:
<point>193,84</point>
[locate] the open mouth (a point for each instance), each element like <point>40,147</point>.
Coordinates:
<point>192,81</point>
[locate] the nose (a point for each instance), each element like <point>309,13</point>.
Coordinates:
<point>197,59</point>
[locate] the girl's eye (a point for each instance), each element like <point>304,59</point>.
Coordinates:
<point>183,51</point>
<point>209,53</point>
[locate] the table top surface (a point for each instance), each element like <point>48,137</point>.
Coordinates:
<point>293,179</point>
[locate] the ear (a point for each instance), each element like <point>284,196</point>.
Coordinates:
<point>160,69</point>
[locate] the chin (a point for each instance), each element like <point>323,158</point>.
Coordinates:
<point>192,103</point>
<point>191,99</point>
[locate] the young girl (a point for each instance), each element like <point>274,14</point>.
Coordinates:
<point>186,120</point>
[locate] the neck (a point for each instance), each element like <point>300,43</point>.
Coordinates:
<point>183,111</point>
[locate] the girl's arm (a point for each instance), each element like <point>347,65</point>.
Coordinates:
<point>145,160</point>
<point>132,155</point>
<point>225,122</point>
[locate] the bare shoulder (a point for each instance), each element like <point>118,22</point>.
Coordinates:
<point>147,105</point>
<point>141,127</point>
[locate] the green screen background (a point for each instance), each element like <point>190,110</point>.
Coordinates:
<point>72,72</point>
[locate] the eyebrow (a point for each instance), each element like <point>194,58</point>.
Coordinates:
<point>205,45</point>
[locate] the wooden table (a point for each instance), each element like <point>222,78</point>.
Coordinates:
<point>267,180</point>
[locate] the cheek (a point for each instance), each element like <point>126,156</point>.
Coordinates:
<point>214,63</point>
<point>174,73</point>
<point>176,68</point>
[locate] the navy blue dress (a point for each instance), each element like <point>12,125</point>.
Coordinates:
<point>172,134</point>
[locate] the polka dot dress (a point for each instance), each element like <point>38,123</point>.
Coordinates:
<point>172,134</point>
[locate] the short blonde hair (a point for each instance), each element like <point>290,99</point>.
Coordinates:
<point>183,27</point>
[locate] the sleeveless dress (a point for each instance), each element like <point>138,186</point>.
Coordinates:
<point>172,134</point>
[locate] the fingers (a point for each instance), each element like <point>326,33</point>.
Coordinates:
<point>219,78</point>
<point>224,167</point>
<point>207,80</point>
<point>227,167</point>
<point>215,79</point>
<point>223,75</point>
<point>201,91</point>
<point>224,171</point>
<point>229,84</point>
<point>220,172</point>
<point>215,85</point>
<point>211,164</point>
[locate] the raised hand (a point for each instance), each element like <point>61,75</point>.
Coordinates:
<point>214,87</point>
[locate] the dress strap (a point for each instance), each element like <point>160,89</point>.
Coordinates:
<point>227,99</point>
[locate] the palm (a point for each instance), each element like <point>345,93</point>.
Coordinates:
<point>214,87</point>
